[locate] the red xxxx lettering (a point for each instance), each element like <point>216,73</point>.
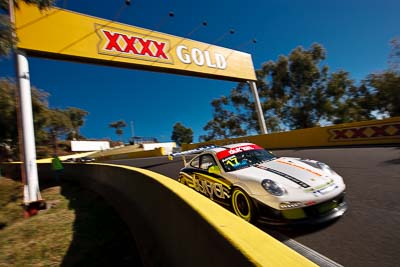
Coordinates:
<point>144,47</point>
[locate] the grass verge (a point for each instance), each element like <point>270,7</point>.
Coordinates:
<point>78,228</point>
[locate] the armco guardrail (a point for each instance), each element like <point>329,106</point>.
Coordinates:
<point>386,131</point>
<point>172,224</point>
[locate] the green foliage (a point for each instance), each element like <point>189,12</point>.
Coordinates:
<point>7,108</point>
<point>118,125</point>
<point>77,118</point>
<point>297,92</point>
<point>292,92</point>
<point>181,134</point>
<point>394,57</point>
<point>58,124</point>
<point>297,88</point>
<point>42,4</point>
<point>387,91</point>
<point>7,39</point>
<point>225,122</point>
<point>8,120</point>
<point>50,124</point>
<point>346,102</point>
<point>385,86</point>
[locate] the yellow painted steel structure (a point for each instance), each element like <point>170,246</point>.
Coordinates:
<point>385,131</point>
<point>62,34</point>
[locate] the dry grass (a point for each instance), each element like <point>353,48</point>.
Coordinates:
<point>77,229</point>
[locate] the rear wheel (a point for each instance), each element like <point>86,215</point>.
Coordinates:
<point>242,205</point>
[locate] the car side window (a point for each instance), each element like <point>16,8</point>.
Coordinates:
<point>206,161</point>
<point>195,162</point>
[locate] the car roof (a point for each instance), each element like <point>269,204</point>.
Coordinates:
<point>215,150</point>
<point>226,147</point>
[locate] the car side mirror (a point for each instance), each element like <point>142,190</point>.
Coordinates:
<point>214,169</point>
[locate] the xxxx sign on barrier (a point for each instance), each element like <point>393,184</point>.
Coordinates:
<point>62,34</point>
<point>383,131</point>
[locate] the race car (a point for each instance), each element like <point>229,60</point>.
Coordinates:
<point>259,186</point>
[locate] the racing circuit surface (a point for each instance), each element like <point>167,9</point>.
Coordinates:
<point>369,233</point>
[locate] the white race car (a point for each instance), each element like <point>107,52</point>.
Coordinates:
<point>258,186</point>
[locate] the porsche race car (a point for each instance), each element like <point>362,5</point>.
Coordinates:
<point>258,186</point>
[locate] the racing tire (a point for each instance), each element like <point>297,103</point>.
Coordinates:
<point>242,205</point>
<point>181,180</point>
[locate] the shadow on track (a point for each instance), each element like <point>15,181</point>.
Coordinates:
<point>393,161</point>
<point>100,237</point>
<point>283,233</point>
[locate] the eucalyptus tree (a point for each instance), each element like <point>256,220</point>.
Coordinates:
<point>292,92</point>
<point>77,118</point>
<point>386,84</point>
<point>225,123</point>
<point>58,125</point>
<point>297,87</point>
<point>118,125</point>
<point>8,128</point>
<point>297,91</point>
<point>347,102</point>
<point>7,39</point>
<point>8,118</point>
<point>394,57</point>
<point>181,134</point>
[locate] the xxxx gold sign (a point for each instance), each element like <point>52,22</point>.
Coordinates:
<point>61,34</point>
<point>120,43</point>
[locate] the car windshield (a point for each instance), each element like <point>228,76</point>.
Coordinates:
<point>245,159</point>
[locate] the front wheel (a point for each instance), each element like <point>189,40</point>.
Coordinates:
<point>242,205</point>
<point>181,180</point>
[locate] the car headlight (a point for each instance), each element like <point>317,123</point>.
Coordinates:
<point>273,188</point>
<point>325,168</point>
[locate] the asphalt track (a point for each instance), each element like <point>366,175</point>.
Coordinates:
<point>369,233</point>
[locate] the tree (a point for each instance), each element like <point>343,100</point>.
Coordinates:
<point>77,118</point>
<point>394,57</point>
<point>7,39</point>
<point>7,109</point>
<point>297,89</point>
<point>118,125</point>
<point>58,124</point>
<point>8,119</point>
<point>225,123</point>
<point>347,102</point>
<point>181,134</point>
<point>386,85</point>
<point>387,91</point>
<point>296,92</point>
<point>292,92</point>
<point>50,125</point>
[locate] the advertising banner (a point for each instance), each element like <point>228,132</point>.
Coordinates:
<point>62,34</point>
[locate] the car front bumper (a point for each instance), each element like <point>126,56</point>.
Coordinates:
<point>316,214</point>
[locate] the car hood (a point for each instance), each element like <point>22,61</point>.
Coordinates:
<point>291,172</point>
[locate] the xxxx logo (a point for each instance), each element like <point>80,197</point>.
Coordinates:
<point>127,44</point>
<point>385,131</point>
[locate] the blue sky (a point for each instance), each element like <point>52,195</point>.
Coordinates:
<point>355,33</point>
